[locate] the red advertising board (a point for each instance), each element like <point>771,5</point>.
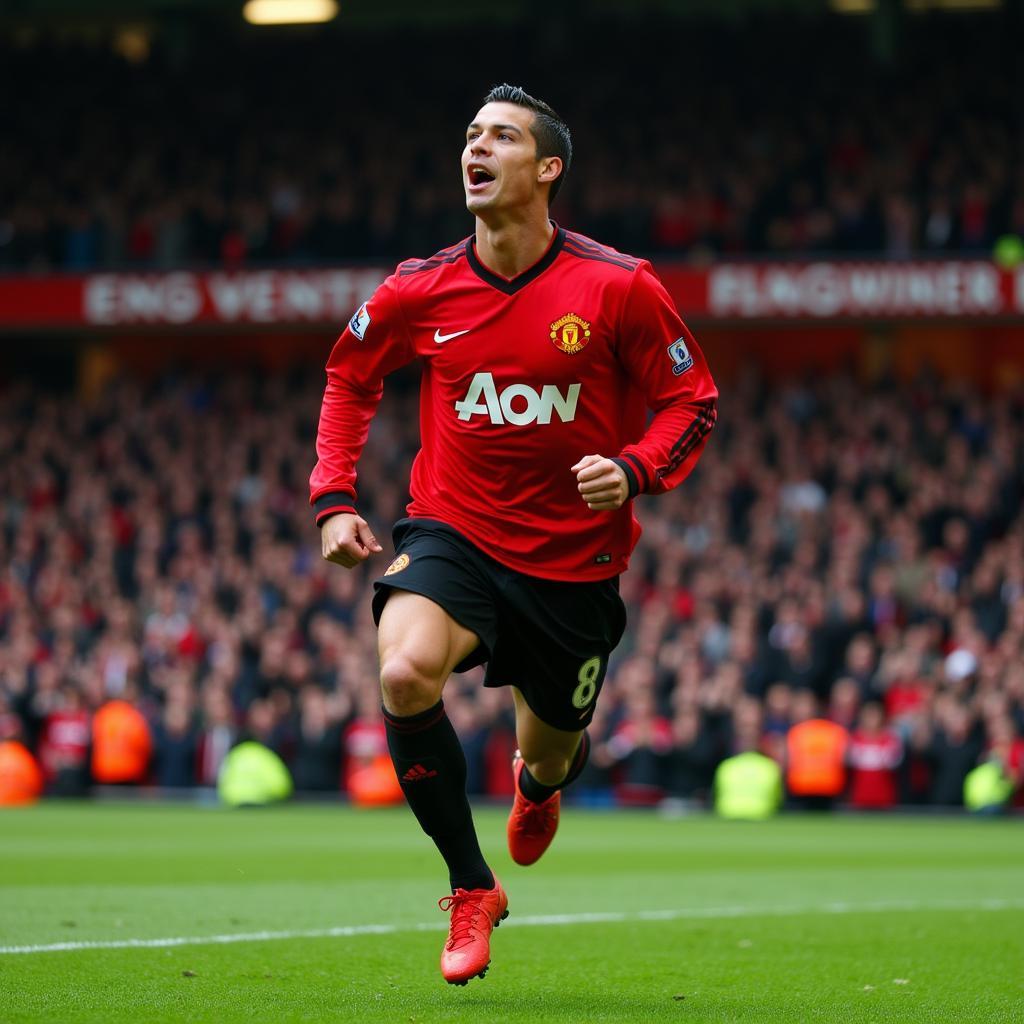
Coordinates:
<point>822,291</point>
<point>829,291</point>
<point>262,298</point>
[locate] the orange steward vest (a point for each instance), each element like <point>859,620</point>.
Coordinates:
<point>121,744</point>
<point>21,780</point>
<point>816,758</point>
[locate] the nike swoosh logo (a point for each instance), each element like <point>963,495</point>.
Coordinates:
<point>442,338</point>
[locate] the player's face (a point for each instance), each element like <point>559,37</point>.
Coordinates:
<point>500,168</point>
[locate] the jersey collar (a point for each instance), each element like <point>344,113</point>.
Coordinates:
<point>510,287</point>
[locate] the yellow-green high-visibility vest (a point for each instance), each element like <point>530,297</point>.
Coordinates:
<point>986,787</point>
<point>748,786</point>
<point>252,775</point>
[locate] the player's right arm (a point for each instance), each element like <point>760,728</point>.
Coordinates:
<point>375,342</point>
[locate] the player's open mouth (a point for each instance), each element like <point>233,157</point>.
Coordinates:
<point>478,177</point>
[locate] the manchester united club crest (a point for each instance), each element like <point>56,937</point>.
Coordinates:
<point>397,565</point>
<point>570,333</point>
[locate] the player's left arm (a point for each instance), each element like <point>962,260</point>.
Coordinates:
<point>602,482</point>
<point>666,364</point>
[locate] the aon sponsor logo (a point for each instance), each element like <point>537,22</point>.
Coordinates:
<point>518,404</point>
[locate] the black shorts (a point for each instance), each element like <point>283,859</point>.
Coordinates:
<point>549,638</point>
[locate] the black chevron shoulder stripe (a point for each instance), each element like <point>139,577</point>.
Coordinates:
<point>586,244</point>
<point>583,254</point>
<point>449,255</point>
<point>590,243</point>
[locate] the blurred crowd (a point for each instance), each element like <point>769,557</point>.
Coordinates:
<point>844,552</point>
<point>786,138</point>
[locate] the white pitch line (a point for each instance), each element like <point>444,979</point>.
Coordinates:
<point>536,921</point>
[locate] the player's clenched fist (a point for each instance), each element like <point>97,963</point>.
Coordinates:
<point>602,483</point>
<point>347,540</point>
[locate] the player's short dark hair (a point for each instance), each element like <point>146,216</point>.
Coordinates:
<point>550,132</point>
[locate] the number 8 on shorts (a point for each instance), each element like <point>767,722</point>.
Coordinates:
<point>589,675</point>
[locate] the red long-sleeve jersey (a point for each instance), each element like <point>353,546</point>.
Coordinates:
<point>521,379</point>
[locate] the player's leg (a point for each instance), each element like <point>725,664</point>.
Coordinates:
<point>556,640</point>
<point>548,760</point>
<point>419,646</point>
<point>549,755</point>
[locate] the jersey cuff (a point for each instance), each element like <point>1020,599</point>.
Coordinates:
<point>332,503</point>
<point>631,477</point>
<point>642,476</point>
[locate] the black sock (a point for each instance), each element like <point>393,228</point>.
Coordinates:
<point>431,769</point>
<point>537,792</point>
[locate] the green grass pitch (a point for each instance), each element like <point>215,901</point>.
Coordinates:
<point>329,914</point>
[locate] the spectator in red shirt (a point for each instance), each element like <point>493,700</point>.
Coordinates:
<point>64,745</point>
<point>874,754</point>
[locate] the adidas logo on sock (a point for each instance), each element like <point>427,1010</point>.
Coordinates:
<point>417,773</point>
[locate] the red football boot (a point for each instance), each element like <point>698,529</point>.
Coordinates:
<point>531,826</point>
<point>467,953</point>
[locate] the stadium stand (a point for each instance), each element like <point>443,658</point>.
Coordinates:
<point>716,143</point>
<point>842,549</point>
